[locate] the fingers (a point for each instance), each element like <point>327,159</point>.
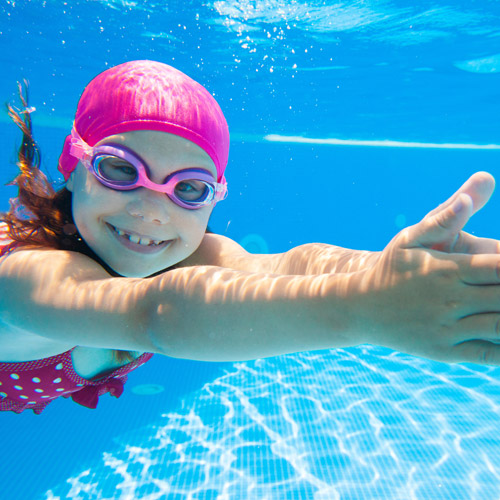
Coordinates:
<point>480,344</point>
<point>479,187</point>
<point>479,327</point>
<point>441,230</point>
<point>479,269</point>
<point>478,352</point>
<point>466,243</point>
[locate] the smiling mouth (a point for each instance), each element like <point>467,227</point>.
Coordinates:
<point>140,241</point>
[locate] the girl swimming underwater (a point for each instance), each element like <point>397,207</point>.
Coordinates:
<point>118,264</point>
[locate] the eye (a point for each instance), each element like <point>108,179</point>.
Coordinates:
<point>192,190</point>
<point>116,169</point>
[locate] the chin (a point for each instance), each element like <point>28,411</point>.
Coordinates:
<point>130,273</point>
<point>140,272</point>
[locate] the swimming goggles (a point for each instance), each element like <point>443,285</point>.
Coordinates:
<point>118,167</point>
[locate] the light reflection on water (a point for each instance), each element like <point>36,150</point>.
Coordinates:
<point>354,423</point>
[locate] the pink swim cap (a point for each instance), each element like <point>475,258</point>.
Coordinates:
<point>149,95</point>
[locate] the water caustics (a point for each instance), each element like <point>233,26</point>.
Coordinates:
<point>363,422</point>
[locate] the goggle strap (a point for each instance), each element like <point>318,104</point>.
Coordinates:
<point>220,191</point>
<point>79,148</point>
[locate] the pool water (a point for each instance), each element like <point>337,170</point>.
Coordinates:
<point>347,424</point>
<point>312,93</point>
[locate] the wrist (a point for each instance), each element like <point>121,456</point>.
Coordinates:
<point>345,321</point>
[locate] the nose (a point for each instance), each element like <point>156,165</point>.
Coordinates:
<point>149,207</point>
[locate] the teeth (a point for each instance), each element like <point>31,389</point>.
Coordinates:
<point>145,241</point>
<point>137,239</point>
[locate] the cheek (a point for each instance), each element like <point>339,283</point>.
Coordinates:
<point>83,217</point>
<point>192,227</point>
<point>90,195</point>
<point>89,203</point>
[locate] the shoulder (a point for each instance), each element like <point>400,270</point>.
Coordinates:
<point>217,250</point>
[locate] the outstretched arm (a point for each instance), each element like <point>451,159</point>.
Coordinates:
<point>416,300</point>
<point>308,259</point>
<point>201,312</point>
<point>318,258</point>
<point>412,298</point>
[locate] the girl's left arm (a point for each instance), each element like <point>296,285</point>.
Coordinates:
<point>319,258</point>
<point>312,258</point>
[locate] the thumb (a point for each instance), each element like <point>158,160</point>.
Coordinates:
<point>479,187</point>
<point>440,229</point>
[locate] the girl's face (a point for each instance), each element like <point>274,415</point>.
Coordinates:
<point>125,228</point>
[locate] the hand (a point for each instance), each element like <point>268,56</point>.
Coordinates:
<point>435,303</point>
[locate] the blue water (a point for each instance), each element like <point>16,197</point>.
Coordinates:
<point>359,423</point>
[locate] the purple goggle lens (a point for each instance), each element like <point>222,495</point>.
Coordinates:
<point>119,168</point>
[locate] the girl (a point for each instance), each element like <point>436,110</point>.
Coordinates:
<point>119,264</point>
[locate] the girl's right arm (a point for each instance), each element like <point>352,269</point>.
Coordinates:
<point>413,300</point>
<point>200,312</point>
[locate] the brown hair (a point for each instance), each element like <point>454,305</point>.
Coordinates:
<point>40,216</point>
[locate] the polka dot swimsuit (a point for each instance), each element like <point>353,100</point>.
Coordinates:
<point>32,385</point>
